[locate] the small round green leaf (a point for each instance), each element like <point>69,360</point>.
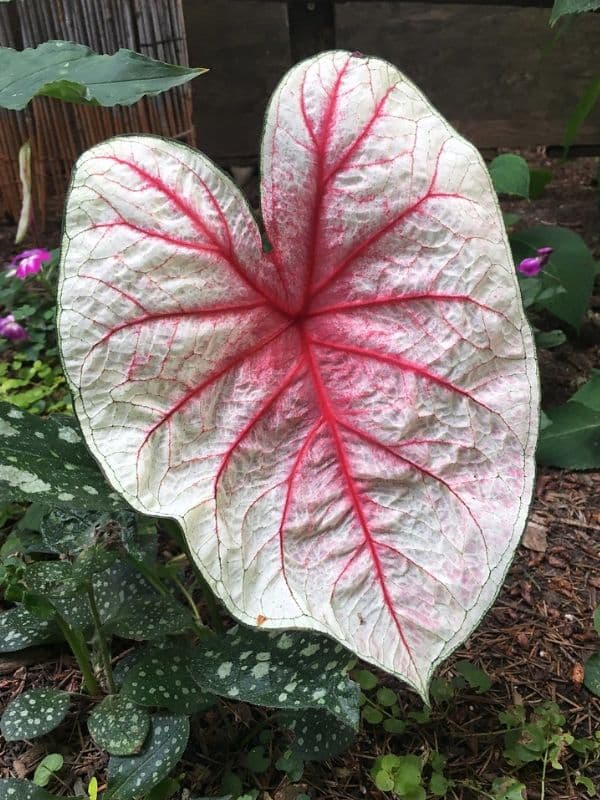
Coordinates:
<point>119,726</point>
<point>34,713</point>
<point>386,697</point>
<point>365,679</point>
<point>134,776</point>
<point>510,175</point>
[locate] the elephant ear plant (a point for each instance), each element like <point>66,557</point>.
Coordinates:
<point>341,413</point>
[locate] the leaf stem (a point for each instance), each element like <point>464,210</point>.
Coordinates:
<point>80,651</point>
<point>150,576</point>
<point>201,628</point>
<point>101,642</point>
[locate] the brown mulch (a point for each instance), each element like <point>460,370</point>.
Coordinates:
<point>533,642</point>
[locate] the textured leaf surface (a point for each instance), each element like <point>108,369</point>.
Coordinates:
<point>34,713</point>
<point>344,425</point>
<point>118,726</point>
<point>166,679</point>
<point>510,174</point>
<point>45,460</point>
<point>562,7</point>
<point>19,628</point>
<point>592,674</point>
<point>73,72</point>
<point>318,736</point>
<point>151,617</point>
<point>134,776</point>
<point>16,789</point>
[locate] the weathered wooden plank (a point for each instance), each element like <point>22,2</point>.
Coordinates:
<point>493,72</point>
<point>491,69</point>
<point>245,44</point>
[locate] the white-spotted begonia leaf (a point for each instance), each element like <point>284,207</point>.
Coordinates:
<point>344,425</point>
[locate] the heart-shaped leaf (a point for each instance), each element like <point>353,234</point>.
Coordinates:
<point>34,713</point>
<point>45,460</point>
<point>119,726</point>
<point>344,425</point>
<point>134,776</point>
<point>19,628</point>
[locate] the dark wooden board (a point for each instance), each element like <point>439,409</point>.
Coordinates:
<point>497,72</point>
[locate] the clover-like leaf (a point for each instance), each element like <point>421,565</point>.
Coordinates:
<point>343,423</point>
<point>151,617</point>
<point>46,460</point>
<point>34,713</point>
<point>166,679</point>
<point>134,776</point>
<point>119,726</point>
<point>19,628</point>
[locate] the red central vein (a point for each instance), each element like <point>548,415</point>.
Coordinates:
<point>251,351</point>
<point>345,467</point>
<point>177,314</point>
<point>321,142</point>
<point>197,221</point>
<point>404,364</point>
<point>403,298</point>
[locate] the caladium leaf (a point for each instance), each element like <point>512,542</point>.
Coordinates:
<point>344,425</point>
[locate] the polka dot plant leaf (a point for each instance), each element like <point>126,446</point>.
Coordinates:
<point>317,736</point>
<point>46,460</point>
<point>34,713</point>
<point>151,617</point>
<point>17,789</point>
<point>133,776</point>
<point>19,628</point>
<point>119,726</point>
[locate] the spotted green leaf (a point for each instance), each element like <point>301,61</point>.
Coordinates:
<point>130,776</point>
<point>317,735</point>
<point>592,674</point>
<point>74,73</point>
<point>34,713</point>
<point>46,460</point>
<point>119,726</point>
<point>165,678</point>
<point>151,617</point>
<point>289,670</point>
<point>17,789</point>
<point>19,628</point>
<point>52,579</point>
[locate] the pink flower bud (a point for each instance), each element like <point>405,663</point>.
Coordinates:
<point>29,262</point>
<point>531,266</point>
<point>11,329</point>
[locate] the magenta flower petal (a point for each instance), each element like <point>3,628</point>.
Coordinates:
<point>530,266</point>
<point>11,329</point>
<point>29,262</point>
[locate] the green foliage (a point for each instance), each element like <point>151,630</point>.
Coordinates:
<point>564,287</point>
<point>152,617</point>
<point>403,776</point>
<point>572,439</point>
<point>562,7</point>
<point>17,789</point>
<point>592,665</point>
<point>134,775</point>
<point>72,72</point>
<point>510,175</point>
<point>34,713</point>
<point>19,628</point>
<point>508,789</point>
<point>584,107</point>
<point>119,726</point>
<point>477,679</point>
<point>47,767</point>
<point>45,460</point>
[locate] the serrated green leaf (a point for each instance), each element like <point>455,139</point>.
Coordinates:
<point>17,789</point>
<point>46,460</point>
<point>133,776</point>
<point>72,72</point>
<point>118,726</point>
<point>510,175</point>
<point>317,735</point>
<point>592,674</point>
<point>477,679</point>
<point>34,713</point>
<point>562,7</point>
<point>151,617</point>
<point>572,441</point>
<point>19,629</point>
<point>282,670</point>
<point>166,679</point>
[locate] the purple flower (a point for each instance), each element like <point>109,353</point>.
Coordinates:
<point>29,262</point>
<point>11,329</point>
<point>531,266</point>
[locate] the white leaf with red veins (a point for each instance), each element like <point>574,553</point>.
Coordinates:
<point>344,426</point>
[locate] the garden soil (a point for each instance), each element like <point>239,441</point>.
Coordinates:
<point>532,643</point>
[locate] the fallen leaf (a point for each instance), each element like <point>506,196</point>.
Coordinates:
<point>577,674</point>
<point>535,537</point>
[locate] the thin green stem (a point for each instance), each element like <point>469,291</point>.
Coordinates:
<point>201,628</point>
<point>544,768</point>
<point>101,642</point>
<point>80,651</point>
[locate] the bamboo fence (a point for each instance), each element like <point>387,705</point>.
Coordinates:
<point>59,131</point>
